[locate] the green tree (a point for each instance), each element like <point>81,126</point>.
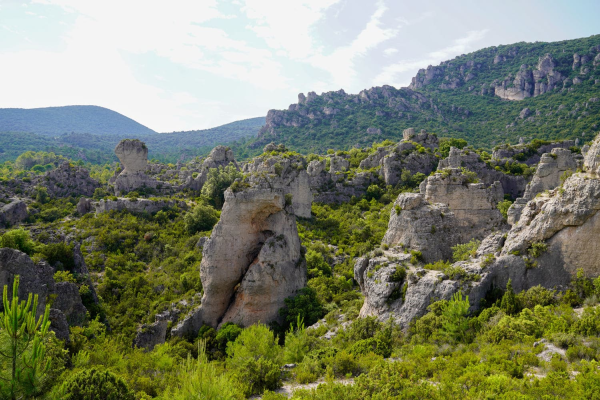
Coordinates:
<point>454,318</point>
<point>201,218</point>
<point>23,354</point>
<point>219,179</point>
<point>96,384</point>
<point>509,303</point>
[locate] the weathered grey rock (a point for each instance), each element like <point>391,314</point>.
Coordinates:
<point>139,205</point>
<point>418,225</point>
<point>150,335</point>
<point>59,324</point>
<point>552,169</point>
<point>69,302</point>
<point>68,180</point>
<point>528,83</point>
<point>338,164</point>
<point>285,173</point>
<point>84,206</point>
<point>511,184</point>
<point>315,167</point>
<point>251,262</point>
<point>13,213</point>
<point>133,155</point>
<point>473,204</point>
<point>37,279</point>
<point>405,157</point>
<point>220,156</point>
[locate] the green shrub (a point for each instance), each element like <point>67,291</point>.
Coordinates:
<point>64,276</point>
<point>94,383</point>
<point>18,239</point>
<point>537,249</point>
<point>305,305</point>
<point>463,252</point>
<point>201,218</point>
<point>219,179</point>
<point>255,359</point>
<point>59,255</point>
<point>503,206</point>
<point>509,303</point>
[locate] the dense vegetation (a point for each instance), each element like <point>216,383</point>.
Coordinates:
<point>99,148</point>
<point>142,265</point>
<point>60,120</point>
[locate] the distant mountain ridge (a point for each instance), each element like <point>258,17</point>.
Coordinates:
<point>491,96</point>
<point>70,119</point>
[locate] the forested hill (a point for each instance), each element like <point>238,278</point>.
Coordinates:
<point>491,96</point>
<point>98,149</point>
<point>70,119</point>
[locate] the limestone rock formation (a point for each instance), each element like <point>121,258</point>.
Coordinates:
<point>473,204</point>
<point>553,168</point>
<point>13,213</point>
<point>555,236</point>
<point>149,206</point>
<point>511,184</point>
<point>220,156</point>
<point>418,225</point>
<point>528,83</point>
<point>251,262</point>
<point>287,173</point>
<point>68,180</point>
<point>133,155</point>
<point>150,335</point>
<point>84,206</point>
<point>38,279</point>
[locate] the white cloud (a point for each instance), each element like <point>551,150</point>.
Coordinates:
<point>390,51</point>
<point>341,62</point>
<point>287,25</point>
<point>390,75</point>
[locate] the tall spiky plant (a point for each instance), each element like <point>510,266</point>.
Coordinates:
<point>22,349</point>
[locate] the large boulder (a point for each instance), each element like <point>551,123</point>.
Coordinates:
<point>133,155</point>
<point>13,213</point>
<point>415,224</point>
<point>251,263</point>
<point>474,204</point>
<point>38,279</point>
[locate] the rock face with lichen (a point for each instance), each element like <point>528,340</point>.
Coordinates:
<point>252,261</point>
<point>416,224</point>
<point>474,204</point>
<point>553,168</point>
<point>13,213</point>
<point>285,171</point>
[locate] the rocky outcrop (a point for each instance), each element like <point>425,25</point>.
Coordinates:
<point>287,173</point>
<point>84,206</point>
<point>220,156</point>
<point>150,335</point>
<point>555,236</point>
<point>553,168</point>
<point>68,180</point>
<point>13,213</point>
<point>133,155</point>
<point>466,158</point>
<point>474,204</point>
<point>418,225</point>
<point>38,280</point>
<point>149,206</point>
<point>251,262</point>
<point>530,83</point>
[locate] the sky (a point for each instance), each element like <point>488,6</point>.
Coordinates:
<point>194,64</point>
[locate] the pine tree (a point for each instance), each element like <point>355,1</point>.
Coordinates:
<point>509,303</point>
<point>22,352</point>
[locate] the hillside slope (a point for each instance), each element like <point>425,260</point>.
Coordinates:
<point>491,96</point>
<point>60,120</point>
